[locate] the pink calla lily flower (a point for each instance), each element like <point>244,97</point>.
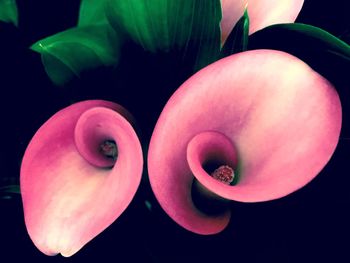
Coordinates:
<point>262,13</point>
<point>265,119</point>
<point>79,173</point>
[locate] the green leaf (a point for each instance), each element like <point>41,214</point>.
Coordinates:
<point>148,205</point>
<point>8,11</point>
<point>205,38</point>
<point>191,26</point>
<point>92,12</point>
<point>145,21</point>
<point>237,40</point>
<point>324,52</point>
<point>69,53</point>
<point>10,189</point>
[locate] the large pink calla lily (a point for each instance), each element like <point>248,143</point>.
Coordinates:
<point>79,173</point>
<point>265,114</point>
<point>262,13</point>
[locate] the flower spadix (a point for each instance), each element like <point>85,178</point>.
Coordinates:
<point>79,173</point>
<point>251,127</point>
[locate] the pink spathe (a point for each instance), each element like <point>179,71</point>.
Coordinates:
<point>264,113</point>
<point>262,13</point>
<point>70,192</point>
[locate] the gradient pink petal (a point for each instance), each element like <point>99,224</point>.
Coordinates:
<point>269,12</point>
<point>232,10</point>
<point>282,118</point>
<point>68,201</point>
<point>262,13</point>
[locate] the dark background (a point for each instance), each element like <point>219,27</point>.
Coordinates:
<point>310,225</point>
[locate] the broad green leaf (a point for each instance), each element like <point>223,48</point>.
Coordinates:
<point>324,52</point>
<point>237,40</point>
<point>92,12</point>
<point>205,38</point>
<point>167,25</point>
<point>145,21</point>
<point>75,50</point>
<point>8,11</point>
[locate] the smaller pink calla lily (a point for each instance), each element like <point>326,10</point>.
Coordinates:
<point>79,173</point>
<point>265,120</point>
<point>262,13</point>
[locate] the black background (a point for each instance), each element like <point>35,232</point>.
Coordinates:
<point>310,225</point>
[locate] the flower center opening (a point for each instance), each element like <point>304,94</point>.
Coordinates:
<point>220,171</point>
<point>206,201</point>
<point>224,174</point>
<point>212,155</point>
<point>109,149</point>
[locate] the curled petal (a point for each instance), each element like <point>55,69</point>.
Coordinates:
<point>262,13</point>
<point>72,189</point>
<point>210,147</point>
<point>264,113</point>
